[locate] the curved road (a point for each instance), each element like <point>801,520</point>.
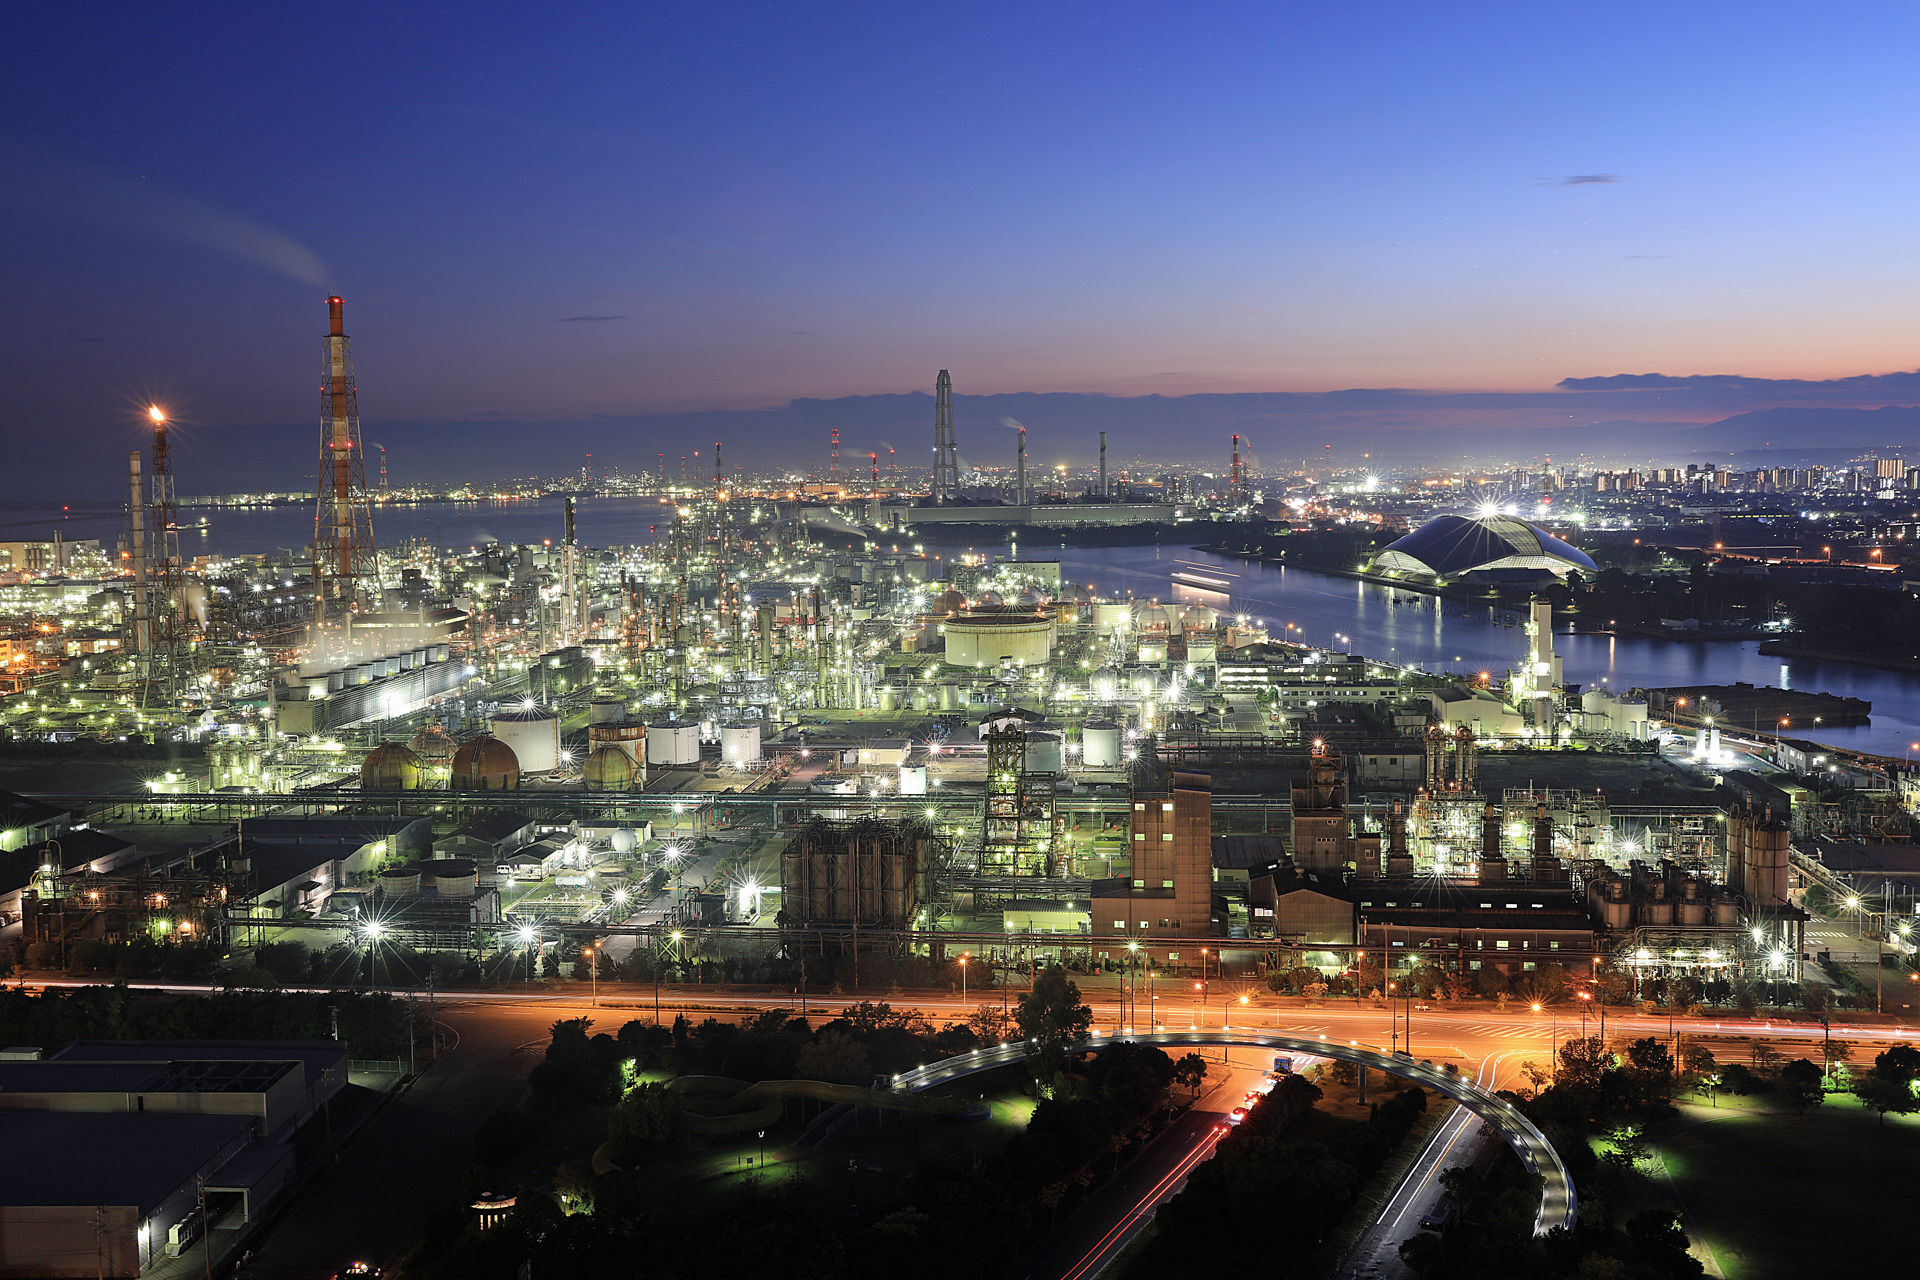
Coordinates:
<point>1558,1206</point>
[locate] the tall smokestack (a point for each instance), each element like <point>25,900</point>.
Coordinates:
<point>344,562</point>
<point>833,460</point>
<point>1020,482</point>
<point>719,472</point>
<point>137,548</point>
<point>1103,464</point>
<point>946,463</point>
<point>1233,483</point>
<point>874,458</point>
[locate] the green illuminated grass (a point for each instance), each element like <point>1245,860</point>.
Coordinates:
<point>1779,1195</point>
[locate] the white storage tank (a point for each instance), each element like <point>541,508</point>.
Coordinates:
<point>534,735</point>
<point>913,779</point>
<point>400,882</point>
<point>451,877</point>
<point>740,743</point>
<point>673,743</point>
<point>1100,744</point>
<point>1043,752</point>
<point>627,735</point>
<point>1112,616</point>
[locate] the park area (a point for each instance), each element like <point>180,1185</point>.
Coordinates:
<point>1777,1195</point>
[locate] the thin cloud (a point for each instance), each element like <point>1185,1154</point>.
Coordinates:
<point>1578,180</point>
<point>588,319</point>
<point>66,191</point>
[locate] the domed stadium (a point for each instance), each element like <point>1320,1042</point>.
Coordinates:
<point>1481,547</point>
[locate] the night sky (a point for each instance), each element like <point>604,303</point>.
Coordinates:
<point>581,213</point>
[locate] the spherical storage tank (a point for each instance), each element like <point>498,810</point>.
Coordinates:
<point>626,735</point>
<point>740,743</point>
<point>608,769</point>
<point>673,743</point>
<point>485,764</point>
<point>1100,744</point>
<point>390,767</point>
<point>624,841</point>
<point>534,736</point>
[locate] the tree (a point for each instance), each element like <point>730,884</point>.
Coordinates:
<point>836,1057</point>
<point>989,1025</point>
<point>1800,1081</point>
<point>1583,1060</point>
<point>1190,1072</point>
<point>1422,1253</point>
<point>1629,1147</point>
<point>1458,1181</point>
<point>645,1117</point>
<point>1879,1094</point>
<point>1654,1066</point>
<point>1535,1076</point>
<point>1901,1062</point>
<point>1051,1018</point>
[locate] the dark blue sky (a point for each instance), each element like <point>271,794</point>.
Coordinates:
<point>550,213</point>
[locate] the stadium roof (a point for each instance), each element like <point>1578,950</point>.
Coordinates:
<point>1448,546</point>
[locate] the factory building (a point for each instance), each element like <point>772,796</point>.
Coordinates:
<point>1168,894</point>
<point>202,1135</point>
<point>867,874</point>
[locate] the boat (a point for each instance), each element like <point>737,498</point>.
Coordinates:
<point>1195,579</point>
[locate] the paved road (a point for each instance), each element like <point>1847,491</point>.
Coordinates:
<point>1114,1214</point>
<point>407,1158</point>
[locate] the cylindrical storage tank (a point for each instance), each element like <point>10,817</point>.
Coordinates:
<point>406,660</point>
<point>1660,911</point>
<point>438,652</point>
<point>626,735</point>
<point>1100,744</point>
<point>606,711</point>
<point>1043,752</point>
<point>485,764</point>
<point>534,736</point>
<point>740,743</point>
<point>1726,910</point>
<point>608,769</point>
<point>1114,616</point>
<point>913,779</point>
<point>361,674</point>
<point>984,640</point>
<point>673,743</point>
<point>451,877</point>
<point>400,882</point>
<point>1693,911</point>
<point>390,767</point>
<point>949,697</point>
<point>1617,913</point>
<point>336,681</point>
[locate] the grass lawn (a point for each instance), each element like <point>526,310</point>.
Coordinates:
<point>1773,1194</point>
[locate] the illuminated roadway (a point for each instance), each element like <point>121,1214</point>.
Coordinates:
<point>1558,1206</point>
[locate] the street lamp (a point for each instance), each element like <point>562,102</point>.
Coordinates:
<point>593,962</point>
<point>964,957</point>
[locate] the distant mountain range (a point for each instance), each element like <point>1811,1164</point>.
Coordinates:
<point>1625,419</point>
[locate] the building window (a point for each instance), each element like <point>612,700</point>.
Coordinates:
<point>1167,837</point>
<point>1473,965</point>
<point>1166,806</point>
<point>1527,967</point>
<point>1139,835</point>
<point>1166,884</point>
<point>1553,946</point>
<point>1501,945</point>
<point>1118,924</point>
<point>1173,955</point>
<point>1139,884</point>
<point>1139,808</point>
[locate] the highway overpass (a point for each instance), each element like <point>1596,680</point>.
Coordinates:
<point>1558,1206</point>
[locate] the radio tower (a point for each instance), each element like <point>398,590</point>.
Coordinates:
<point>166,597</point>
<point>946,466</point>
<point>345,573</point>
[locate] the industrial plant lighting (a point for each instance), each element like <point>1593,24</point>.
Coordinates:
<point>526,934</point>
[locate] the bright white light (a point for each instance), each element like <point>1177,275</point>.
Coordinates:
<point>527,933</point>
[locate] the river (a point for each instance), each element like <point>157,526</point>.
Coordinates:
<point>1445,635</point>
<point>1426,631</point>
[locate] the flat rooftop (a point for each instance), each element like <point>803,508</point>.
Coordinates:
<point>91,1158</point>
